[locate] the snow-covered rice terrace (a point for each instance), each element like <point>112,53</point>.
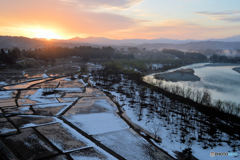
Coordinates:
<point>97,117</point>
<point>62,118</point>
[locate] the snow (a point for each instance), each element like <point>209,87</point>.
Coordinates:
<point>45,100</point>
<point>104,103</point>
<point>156,66</point>
<point>66,99</point>
<point>71,90</point>
<point>89,143</point>
<point>97,123</point>
<point>51,105</point>
<point>81,81</point>
<point>37,96</point>
<point>67,139</point>
<point>67,79</point>
<point>126,143</point>
<point>92,156</point>
<point>3,83</point>
<point>39,93</point>
<point>170,141</point>
<point>6,94</point>
<point>35,125</point>
<point>92,66</point>
<point>84,157</point>
<point>54,105</point>
<point>24,109</point>
<point>33,120</point>
<point>25,102</point>
<point>45,75</point>
<point>7,130</point>
<point>91,82</point>
<point>85,76</point>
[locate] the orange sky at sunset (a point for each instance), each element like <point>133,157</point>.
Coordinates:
<point>120,19</point>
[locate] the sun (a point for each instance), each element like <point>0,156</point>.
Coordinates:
<point>44,33</point>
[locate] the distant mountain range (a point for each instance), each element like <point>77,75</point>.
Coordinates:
<point>229,39</point>
<point>106,41</point>
<point>21,42</point>
<point>195,46</point>
<point>28,43</point>
<point>231,43</point>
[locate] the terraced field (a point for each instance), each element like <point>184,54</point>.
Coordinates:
<point>61,118</point>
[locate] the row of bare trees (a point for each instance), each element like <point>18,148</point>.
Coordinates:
<point>199,96</point>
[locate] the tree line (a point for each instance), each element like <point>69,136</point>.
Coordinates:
<point>86,53</point>
<point>202,97</point>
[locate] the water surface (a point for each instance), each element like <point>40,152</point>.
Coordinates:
<point>220,79</point>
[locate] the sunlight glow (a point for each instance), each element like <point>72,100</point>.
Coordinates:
<point>44,33</point>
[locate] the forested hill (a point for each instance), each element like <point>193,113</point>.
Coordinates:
<point>27,43</point>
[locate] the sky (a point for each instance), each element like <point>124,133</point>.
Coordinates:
<point>120,19</point>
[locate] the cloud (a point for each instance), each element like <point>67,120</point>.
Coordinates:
<point>230,16</point>
<point>177,30</point>
<point>67,18</point>
<point>105,18</point>
<point>224,13</point>
<point>104,3</point>
<point>231,19</point>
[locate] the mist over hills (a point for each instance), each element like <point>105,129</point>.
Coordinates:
<point>196,46</point>
<point>20,42</point>
<point>106,41</point>
<point>229,39</point>
<point>231,43</point>
<point>31,43</point>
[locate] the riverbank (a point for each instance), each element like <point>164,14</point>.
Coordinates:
<point>237,69</point>
<point>178,75</point>
<point>220,80</point>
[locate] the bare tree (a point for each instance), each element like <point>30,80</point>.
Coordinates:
<point>152,152</point>
<point>219,104</point>
<point>206,98</point>
<point>156,129</point>
<point>188,93</point>
<point>198,96</point>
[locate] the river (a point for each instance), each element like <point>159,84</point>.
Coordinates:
<point>219,79</point>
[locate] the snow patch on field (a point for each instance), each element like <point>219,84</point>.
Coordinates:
<point>6,94</point>
<point>71,90</point>
<point>126,143</point>
<point>84,84</point>
<point>37,96</point>
<point>66,105</point>
<point>77,135</point>
<point>7,130</point>
<point>45,75</point>
<point>104,103</point>
<point>3,84</point>
<point>98,123</point>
